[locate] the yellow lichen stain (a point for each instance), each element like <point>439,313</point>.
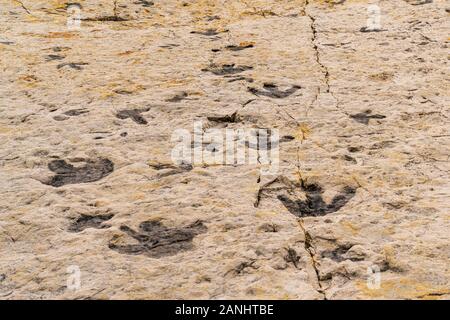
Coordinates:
<point>246,43</point>
<point>129,89</point>
<point>419,223</point>
<point>105,94</point>
<point>117,88</point>
<point>388,216</point>
<point>29,80</point>
<point>175,82</point>
<point>221,204</point>
<point>150,186</point>
<point>125,53</point>
<point>4,130</point>
<point>388,231</point>
<point>138,196</point>
<point>303,132</point>
<point>30,18</point>
<point>259,293</point>
<point>122,26</point>
<point>396,157</point>
<point>61,4</point>
<point>382,76</point>
<point>351,227</point>
<point>265,214</point>
<point>101,203</point>
<point>403,288</point>
<point>136,61</point>
<point>201,172</point>
<point>63,35</point>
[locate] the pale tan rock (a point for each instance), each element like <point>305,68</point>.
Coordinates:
<point>67,95</point>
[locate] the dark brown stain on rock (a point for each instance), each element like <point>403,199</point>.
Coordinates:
<point>85,221</point>
<point>365,116</point>
<point>156,240</point>
<point>66,173</point>
<point>271,90</point>
<point>314,205</point>
<point>226,69</point>
<point>133,114</point>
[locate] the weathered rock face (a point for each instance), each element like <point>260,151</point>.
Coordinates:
<point>88,184</point>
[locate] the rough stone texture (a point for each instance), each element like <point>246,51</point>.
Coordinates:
<point>115,91</point>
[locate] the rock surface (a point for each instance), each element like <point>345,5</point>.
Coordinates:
<point>87,180</point>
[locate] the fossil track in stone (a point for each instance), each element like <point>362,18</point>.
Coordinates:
<point>133,114</point>
<point>85,221</point>
<point>239,47</point>
<point>365,116</point>
<point>168,169</point>
<point>66,173</point>
<point>314,205</point>
<point>73,65</point>
<point>208,32</point>
<point>104,164</point>
<point>156,240</point>
<point>271,90</point>
<point>226,69</point>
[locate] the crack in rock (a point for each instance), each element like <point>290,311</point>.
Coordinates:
<point>264,190</point>
<point>23,6</point>
<point>156,240</point>
<point>264,140</point>
<point>310,249</point>
<point>324,69</point>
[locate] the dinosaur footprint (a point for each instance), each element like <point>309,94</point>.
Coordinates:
<point>133,114</point>
<point>85,221</point>
<point>314,204</point>
<point>226,69</point>
<point>155,240</point>
<point>365,116</point>
<point>66,173</point>
<point>271,90</point>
